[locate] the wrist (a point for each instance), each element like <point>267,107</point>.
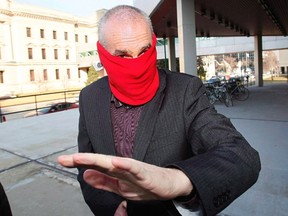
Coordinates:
<point>188,198</point>
<point>182,184</point>
<point>190,202</point>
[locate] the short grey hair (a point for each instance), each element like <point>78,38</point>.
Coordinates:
<point>124,13</point>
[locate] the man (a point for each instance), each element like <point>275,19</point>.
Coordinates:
<point>150,143</point>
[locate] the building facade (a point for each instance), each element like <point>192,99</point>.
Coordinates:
<point>43,50</point>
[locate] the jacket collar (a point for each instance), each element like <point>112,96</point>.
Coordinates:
<point>147,120</point>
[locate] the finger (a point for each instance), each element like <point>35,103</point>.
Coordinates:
<point>90,159</point>
<point>66,160</point>
<point>72,160</point>
<point>112,184</point>
<point>121,210</point>
<point>100,180</point>
<point>130,167</point>
<point>86,160</point>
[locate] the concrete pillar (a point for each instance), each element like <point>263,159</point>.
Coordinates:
<point>258,60</point>
<point>172,54</point>
<point>187,36</point>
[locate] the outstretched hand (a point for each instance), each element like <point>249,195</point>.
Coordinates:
<point>129,178</point>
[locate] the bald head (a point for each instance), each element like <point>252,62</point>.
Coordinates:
<point>122,20</point>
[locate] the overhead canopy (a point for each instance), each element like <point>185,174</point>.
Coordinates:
<point>218,18</point>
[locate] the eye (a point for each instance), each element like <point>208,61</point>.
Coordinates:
<point>145,49</point>
<point>141,53</point>
<point>124,56</point>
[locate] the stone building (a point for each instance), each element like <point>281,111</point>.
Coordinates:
<point>43,50</point>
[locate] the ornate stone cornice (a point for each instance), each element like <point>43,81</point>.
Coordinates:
<point>6,12</point>
<point>63,19</point>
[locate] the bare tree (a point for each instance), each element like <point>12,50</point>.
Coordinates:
<point>270,62</point>
<point>230,63</point>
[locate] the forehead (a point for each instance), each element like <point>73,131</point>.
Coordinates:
<point>128,34</point>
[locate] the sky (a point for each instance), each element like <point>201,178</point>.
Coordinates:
<point>82,8</point>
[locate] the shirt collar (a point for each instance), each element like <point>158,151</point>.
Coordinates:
<point>119,104</point>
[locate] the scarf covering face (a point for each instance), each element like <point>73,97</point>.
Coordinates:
<point>133,81</point>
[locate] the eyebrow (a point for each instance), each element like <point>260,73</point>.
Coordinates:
<point>128,52</point>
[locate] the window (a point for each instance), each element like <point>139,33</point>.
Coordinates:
<point>43,53</point>
<point>42,33</point>
<point>28,32</point>
<point>30,53</point>
<point>68,74</point>
<point>86,39</point>
<point>32,75</point>
<point>57,74</point>
<point>54,35</point>
<point>1,76</point>
<point>76,37</point>
<point>45,74</point>
<point>66,35</point>
<point>55,54</point>
<point>67,54</point>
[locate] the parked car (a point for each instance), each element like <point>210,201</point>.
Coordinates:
<point>214,81</point>
<point>2,117</point>
<point>56,107</point>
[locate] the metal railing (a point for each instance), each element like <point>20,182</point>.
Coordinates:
<point>10,105</point>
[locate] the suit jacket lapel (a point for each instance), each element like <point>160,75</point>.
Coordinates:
<point>103,110</point>
<point>148,120</point>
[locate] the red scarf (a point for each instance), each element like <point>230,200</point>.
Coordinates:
<point>133,81</point>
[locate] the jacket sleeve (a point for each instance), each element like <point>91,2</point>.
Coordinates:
<point>223,165</point>
<point>100,202</point>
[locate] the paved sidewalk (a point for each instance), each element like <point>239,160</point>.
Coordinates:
<point>37,186</point>
<point>263,120</point>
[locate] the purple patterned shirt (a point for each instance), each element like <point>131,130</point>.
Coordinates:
<point>124,122</point>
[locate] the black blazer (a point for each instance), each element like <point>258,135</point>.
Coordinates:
<point>179,128</point>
